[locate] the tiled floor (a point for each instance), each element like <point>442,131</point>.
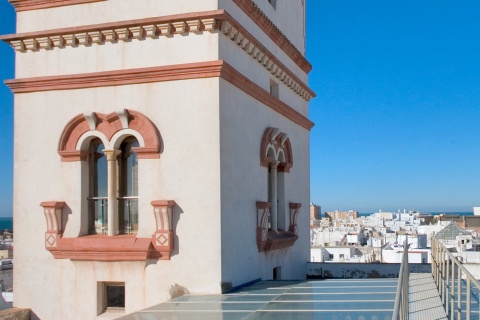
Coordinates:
<point>345,299</point>
<point>424,301</point>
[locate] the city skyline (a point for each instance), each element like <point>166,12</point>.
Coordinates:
<point>397,110</point>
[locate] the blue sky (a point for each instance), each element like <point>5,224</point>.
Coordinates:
<point>397,111</point>
<point>398,108</point>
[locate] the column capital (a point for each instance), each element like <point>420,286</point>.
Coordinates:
<point>111,154</point>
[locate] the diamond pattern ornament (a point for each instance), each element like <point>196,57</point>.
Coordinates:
<point>162,240</point>
<point>51,240</point>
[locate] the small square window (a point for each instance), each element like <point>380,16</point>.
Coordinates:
<point>274,89</point>
<point>112,297</point>
<point>273,3</point>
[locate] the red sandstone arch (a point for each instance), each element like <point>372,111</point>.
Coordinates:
<point>273,138</point>
<point>109,124</point>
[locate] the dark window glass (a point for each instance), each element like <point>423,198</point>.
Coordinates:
<point>98,188</point>
<point>115,296</point>
<point>128,186</point>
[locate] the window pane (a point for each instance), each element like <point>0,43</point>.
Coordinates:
<point>115,296</point>
<point>98,188</point>
<point>128,186</point>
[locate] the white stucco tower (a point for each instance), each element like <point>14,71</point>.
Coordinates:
<point>161,147</point>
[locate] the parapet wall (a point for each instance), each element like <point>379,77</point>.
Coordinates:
<point>318,270</point>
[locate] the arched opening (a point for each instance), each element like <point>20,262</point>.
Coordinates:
<point>128,186</point>
<point>98,188</point>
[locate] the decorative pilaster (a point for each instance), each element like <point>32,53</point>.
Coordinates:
<point>163,238</point>
<point>53,211</point>
<point>112,223</point>
<point>294,210</point>
<point>263,210</point>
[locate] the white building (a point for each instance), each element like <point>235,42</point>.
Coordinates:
<point>150,142</point>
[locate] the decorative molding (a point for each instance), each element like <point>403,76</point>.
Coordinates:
<point>294,210</point>
<point>99,247</point>
<point>109,125</point>
<point>277,142</point>
<point>268,240</point>
<point>267,26</point>
<point>53,211</point>
<point>246,85</point>
<point>106,248</point>
<point>263,211</point>
<point>158,74</point>
<point>117,78</point>
<point>240,36</point>
<point>24,5</point>
<point>163,238</point>
<point>163,26</point>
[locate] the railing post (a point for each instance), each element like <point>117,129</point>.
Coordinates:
<point>452,293</point>
<point>459,293</point>
<point>469,298</point>
<point>447,287</point>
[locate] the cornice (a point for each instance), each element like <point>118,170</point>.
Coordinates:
<point>158,74</point>
<point>167,26</point>
<point>24,5</point>
<point>262,21</point>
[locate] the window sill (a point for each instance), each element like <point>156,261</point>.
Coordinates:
<point>277,240</point>
<point>107,248</point>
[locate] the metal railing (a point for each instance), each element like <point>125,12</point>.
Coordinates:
<point>400,309</point>
<point>452,278</point>
<point>98,208</point>
<point>129,214</point>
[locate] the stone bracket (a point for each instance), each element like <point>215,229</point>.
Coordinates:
<point>53,211</point>
<point>163,238</point>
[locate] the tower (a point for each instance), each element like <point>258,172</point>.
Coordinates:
<point>154,150</point>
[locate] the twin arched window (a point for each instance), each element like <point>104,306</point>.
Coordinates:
<point>126,179</point>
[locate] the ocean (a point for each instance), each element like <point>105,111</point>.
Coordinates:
<point>432,213</point>
<point>6,223</point>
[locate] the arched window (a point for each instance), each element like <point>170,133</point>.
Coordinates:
<point>128,186</point>
<point>276,156</point>
<point>98,187</point>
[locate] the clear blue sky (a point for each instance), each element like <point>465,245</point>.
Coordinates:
<point>398,109</point>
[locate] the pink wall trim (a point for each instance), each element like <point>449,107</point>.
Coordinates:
<point>105,248</point>
<point>108,125</point>
<point>199,70</point>
<point>287,148</point>
<point>217,17</point>
<point>163,238</point>
<point>270,29</point>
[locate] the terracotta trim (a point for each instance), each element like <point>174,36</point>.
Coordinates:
<point>117,78</point>
<point>107,248</point>
<point>268,140</point>
<point>263,205</point>
<point>53,211</point>
<point>238,34</point>
<point>109,125</point>
<point>117,25</point>
<point>163,238</point>
<point>240,81</point>
<point>267,26</point>
<point>158,74</point>
<point>24,5</point>
<point>163,203</point>
<point>162,26</point>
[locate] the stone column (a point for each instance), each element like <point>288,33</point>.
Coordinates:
<point>112,191</point>
<point>274,198</point>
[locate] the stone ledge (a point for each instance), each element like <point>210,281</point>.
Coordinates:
<point>15,314</point>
